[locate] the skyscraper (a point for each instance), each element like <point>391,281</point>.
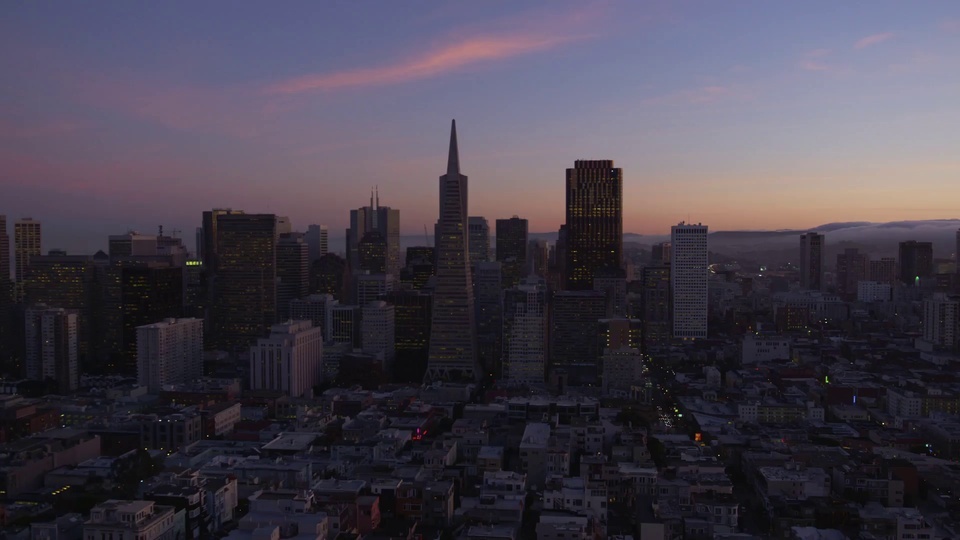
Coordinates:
<point>293,272</point>
<point>382,219</point>
<point>574,316</point>
<point>916,261</point>
<point>811,261</point>
<point>655,310</point>
<point>169,352</point>
<point>26,244</point>
<point>52,347</point>
<point>210,227</point>
<point>852,268</point>
<point>512,249</point>
<point>318,240</point>
<point>488,298</point>
<point>594,221</point>
<point>884,270</point>
<point>377,326</point>
<point>4,250</point>
<point>412,317</point>
<point>479,239</point>
<point>660,253</point>
<point>453,333</point>
<point>688,280</point>
<point>525,332</point>
<point>246,280</point>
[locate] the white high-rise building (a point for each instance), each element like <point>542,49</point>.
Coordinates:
<point>289,361</point>
<point>941,320</point>
<point>688,280</point>
<point>525,332</point>
<point>169,352</point>
<point>52,346</point>
<point>377,331</point>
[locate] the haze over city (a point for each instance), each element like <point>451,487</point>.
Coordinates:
<point>121,116</point>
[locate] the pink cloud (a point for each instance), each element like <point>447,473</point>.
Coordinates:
<point>699,96</point>
<point>10,129</point>
<point>432,63</point>
<point>950,25</point>
<point>813,60</point>
<point>870,41</point>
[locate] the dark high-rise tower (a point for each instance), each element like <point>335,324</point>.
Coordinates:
<point>512,249</point>
<point>479,240</point>
<point>453,333</point>
<point>811,261</point>
<point>5,251</point>
<point>852,268</point>
<point>594,221</point>
<point>382,219</point>
<point>293,271</point>
<point>916,261</point>
<point>246,279</point>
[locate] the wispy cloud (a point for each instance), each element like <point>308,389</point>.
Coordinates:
<point>702,95</point>
<point>870,41</point>
<point>814,60</point>
<point>455,54</point>
<point>950,25</point>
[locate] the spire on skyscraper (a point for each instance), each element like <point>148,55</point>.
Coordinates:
<point>453,160</point>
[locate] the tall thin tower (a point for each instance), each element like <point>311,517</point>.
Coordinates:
<point>811,261</point>
<point>453,332</point>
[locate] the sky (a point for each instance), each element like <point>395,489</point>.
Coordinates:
<point>119,115</point>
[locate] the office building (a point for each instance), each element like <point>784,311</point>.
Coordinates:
<point>478,234</point>
<point>619,332</point>
<point>169,352</point>
<point>916,261</point>
<point>72,282</point>
<point>812,250</point>
<point>419,268</point>
<point>52,347</point>
<point>293,272</point>
<point>318,241</point>
<point>344,325</point>
<point>315,308</point>
<point>538,257</point>
<point>289,360</point>
<point>660,254</point>
<point>525,332</point>
<point>211,219</point>
<point>372,254</point>
<point>655,312</point>
<point>573,334</point>
<point>137,294</point>
<point>4,251</point>
<point>956,252</point>
<point>613,283</point>
<point>382,219</point>
<point>245,304</point>
<point>884,271</point>
<point>594,221</point>
<point>512,249</point>
<point>622,369</point>
<point>874,291</point>
<point>941,317</point>
<point>377,326</point>
<point>412,316</point>
<point>688,280</point>
<point>852,268</point>
<point>489,305</point>
<point>453,332</point>
<point>131,244</point>
<point>327,276</point>
<point>371,287</point>
<point>26,244</point>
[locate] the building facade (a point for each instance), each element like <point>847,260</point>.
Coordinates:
<point>169,352</point>
<point>594,221</point>
<point>525,332</point>
<point>290,360</point>
<point>52,338</point>
<point>688,280</point>
<point>812,250</point>
<point>453,333</point>
<point>512,247</point>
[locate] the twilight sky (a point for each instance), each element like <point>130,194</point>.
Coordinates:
<point>119,115</point>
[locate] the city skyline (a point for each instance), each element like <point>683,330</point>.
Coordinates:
<point>183,115</point>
